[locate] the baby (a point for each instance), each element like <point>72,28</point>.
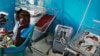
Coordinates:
<point>5,40</point>
<point>89,42</point>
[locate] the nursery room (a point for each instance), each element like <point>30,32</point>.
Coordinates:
<point>49,28</point>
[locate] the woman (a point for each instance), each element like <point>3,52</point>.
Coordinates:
<point>22,25</point>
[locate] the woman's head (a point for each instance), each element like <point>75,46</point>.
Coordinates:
<point>23,16</point>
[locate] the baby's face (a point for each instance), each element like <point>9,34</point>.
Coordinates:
<point>94,38</point>
<point>2,32</point>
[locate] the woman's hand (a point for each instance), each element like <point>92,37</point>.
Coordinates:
<point>22,27</point>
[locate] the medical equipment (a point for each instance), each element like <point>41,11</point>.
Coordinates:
<point>31,2</point>
<point>61,38</point>
<point>70,52</point>
<point>40,3</point>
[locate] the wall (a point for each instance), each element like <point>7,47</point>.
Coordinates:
<point>69,12</point>
<point>93,13</point>
<point>8,6</point>
<point>72,12</point>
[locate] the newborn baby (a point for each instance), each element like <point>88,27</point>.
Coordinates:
<point>89,43</point>
<point>5,40</point>
<point>2,33</point>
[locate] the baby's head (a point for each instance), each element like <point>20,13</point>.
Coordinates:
<point>93,38</point>
<point>3,31</point>
<point>86,33</point>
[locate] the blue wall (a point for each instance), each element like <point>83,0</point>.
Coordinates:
<point>93,12</point>
<point>8,6</point>
<point>72,11</point>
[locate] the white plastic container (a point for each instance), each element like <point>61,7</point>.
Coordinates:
<point>41,30</point>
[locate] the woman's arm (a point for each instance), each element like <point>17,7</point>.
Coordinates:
<point>11,31</point>
<point>18,39</point>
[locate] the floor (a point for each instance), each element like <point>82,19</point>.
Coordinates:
<point>40,48</point>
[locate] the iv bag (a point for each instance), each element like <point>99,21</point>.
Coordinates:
<point>31,1</point>
<point>40,3</point>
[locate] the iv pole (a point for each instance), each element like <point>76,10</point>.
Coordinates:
<point>84,15</point>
